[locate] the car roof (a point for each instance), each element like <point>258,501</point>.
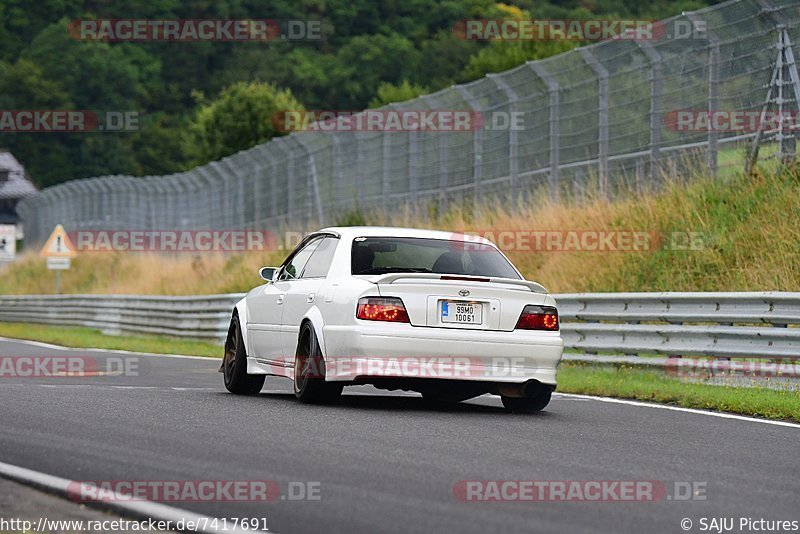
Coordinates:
<point>351,232</point>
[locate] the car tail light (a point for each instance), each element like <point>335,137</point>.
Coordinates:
<point>389,309</point>
<point>538,318</point>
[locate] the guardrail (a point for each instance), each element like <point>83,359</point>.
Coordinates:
<point>730,325</point>
<point>725,325</point>
<point>205,316</point>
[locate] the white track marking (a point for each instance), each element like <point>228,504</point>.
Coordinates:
<point>722,415</point>
<point>59,347</point>
<point>121,504</point>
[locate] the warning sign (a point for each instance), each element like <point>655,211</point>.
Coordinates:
<point>58,245</point>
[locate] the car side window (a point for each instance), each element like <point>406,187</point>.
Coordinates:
<point>320,262</point>
<point>298,262</point>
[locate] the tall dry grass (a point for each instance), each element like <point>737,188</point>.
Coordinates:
<point>746,233</point>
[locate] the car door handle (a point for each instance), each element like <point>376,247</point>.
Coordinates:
<point>310,297</point>
<point>280,298</point>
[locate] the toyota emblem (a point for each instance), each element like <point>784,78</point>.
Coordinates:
<point>464,292</point>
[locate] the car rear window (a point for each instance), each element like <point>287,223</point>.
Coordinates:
<point>382,255</point>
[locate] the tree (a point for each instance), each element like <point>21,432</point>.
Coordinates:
<point>241,117</point>
<point>98,75</point>
<point>388,93</point>
<point>366,61</point>
<point>500,55</point>
<point>443,59</point>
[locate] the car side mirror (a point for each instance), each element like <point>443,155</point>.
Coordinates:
<point>267,273</point>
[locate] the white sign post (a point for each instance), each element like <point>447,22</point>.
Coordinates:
<point>58,250</point>
<point>8,242</point>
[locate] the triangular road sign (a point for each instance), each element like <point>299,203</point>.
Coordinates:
<point>58,245</point>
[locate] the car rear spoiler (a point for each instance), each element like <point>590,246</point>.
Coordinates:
<point>393,277</point>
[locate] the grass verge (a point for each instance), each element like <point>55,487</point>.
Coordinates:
<point>617,381</point>
<point>81,337</point>
<point>653,386</point>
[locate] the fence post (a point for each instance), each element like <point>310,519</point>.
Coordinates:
<point>359,175</point>
<point>206,193</point>
<point>385,186</point>
<point>315,196</point>
<point>81,186</point>
<point>224,196</point>
<point>655,106</point>
<point>191,197</point>
<point>639,175</point>
<point>712,152</point>
<point>412,166</point>
<point>602,117</point>
<point>552,89</point>
<point>272,188</point>
<point>513,135</point>
<point>442,157</point>
<point>477,144</point>
<point>257,175</point>
<point>580,184</point>
<point>791,64</point>
<point>292,192</point>
<point>336,171</point>
<point>235,205</point>
<point>788,145</point>
<point>290,185</point>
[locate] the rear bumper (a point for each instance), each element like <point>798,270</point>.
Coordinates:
<point>405,351</point>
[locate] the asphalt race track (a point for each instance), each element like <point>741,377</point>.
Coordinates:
<point>384,461</point>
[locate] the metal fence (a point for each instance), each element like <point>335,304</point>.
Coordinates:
<point>596,120</point>
<point>722,325</point>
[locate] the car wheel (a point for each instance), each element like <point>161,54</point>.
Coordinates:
<point>309,371</point>
<point>533,403</point>
<point>234,364</point>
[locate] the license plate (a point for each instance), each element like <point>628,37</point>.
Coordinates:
<point>459,312</point>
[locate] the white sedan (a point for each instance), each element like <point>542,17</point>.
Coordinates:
<point>443,314</point>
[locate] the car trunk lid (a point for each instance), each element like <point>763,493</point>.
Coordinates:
<point>461,302</point>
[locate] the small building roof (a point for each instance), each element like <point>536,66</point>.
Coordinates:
<point>17,186</point>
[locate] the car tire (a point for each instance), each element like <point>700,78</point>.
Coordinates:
<point>234,364</point>
<point>530,404</point>
<point>309,371</point>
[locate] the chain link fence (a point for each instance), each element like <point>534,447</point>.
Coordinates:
<point>598,120</point>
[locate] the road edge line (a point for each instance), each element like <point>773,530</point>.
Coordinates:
<point>141,510</point>
<point>723,415</point>
<point>121,351</point>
